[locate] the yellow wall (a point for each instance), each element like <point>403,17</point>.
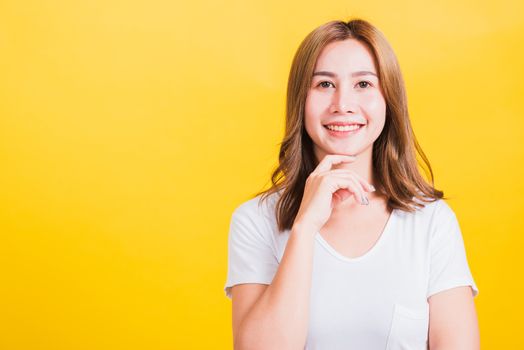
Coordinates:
<point>129,131</point>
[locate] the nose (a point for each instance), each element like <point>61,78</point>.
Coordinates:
<point>343,101</point>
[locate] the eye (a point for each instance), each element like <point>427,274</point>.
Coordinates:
<point>323,84</point>
<point>364,82</point>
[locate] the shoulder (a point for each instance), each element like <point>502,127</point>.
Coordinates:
<point>257,208</point>
<point>258,213</point>
<point>433,218</point>
<point>440,213</point>
<point>441,221</point>
<point>258,216</point>
<point>430,212</point>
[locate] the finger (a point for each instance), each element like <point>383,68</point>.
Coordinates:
<point>327,162</point>
<point>339,185</point>
<point>349,184</point>
<point>366,185</point>
<point>343,194</point>
<point>360,196</point>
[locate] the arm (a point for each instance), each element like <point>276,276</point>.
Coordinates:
<point>453,320</point>
<point>279,318</point>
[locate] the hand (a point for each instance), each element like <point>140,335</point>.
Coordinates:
<point>326,187</point>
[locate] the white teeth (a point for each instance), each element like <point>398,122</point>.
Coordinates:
<point>343,128</point>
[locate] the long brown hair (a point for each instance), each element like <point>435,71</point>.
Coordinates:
<point>394,151</point>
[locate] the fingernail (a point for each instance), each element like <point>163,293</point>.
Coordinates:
<point>372,188</point>
<point>365,200</point>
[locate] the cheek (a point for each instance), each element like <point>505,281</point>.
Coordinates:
<point>314,103</point>
<point>313,111</point>
<point>376,107</point>
<point>307,115</point>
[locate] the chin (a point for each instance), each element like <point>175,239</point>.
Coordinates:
<point>355,154</point>
<point>348,152</point>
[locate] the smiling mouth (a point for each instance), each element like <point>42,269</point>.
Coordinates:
<point>344,129</point>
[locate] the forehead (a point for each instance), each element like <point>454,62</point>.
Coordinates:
<point>345,56</point>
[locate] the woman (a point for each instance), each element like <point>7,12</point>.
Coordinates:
<point>350,248</point>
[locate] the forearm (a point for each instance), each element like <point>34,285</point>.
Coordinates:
<point>279,319</point>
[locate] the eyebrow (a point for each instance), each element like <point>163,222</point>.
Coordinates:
<point>354,74</point>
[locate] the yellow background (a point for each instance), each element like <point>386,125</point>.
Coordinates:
<point>130,130</point>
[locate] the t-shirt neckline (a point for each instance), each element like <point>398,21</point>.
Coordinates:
<point>370,252</point>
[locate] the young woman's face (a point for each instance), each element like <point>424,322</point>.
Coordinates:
<point>344,90</point>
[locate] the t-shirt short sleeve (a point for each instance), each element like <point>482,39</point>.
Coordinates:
<point>448,262</point>
<point>251,257</point>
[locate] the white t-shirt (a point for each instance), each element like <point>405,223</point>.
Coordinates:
<point>375,301</point>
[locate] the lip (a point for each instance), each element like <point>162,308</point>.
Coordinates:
<point>344,123</point>
<point>343,134</point>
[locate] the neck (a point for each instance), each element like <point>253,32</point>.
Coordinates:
<point>363,167</point>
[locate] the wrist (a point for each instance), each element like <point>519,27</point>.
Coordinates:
<point>303,228</point>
